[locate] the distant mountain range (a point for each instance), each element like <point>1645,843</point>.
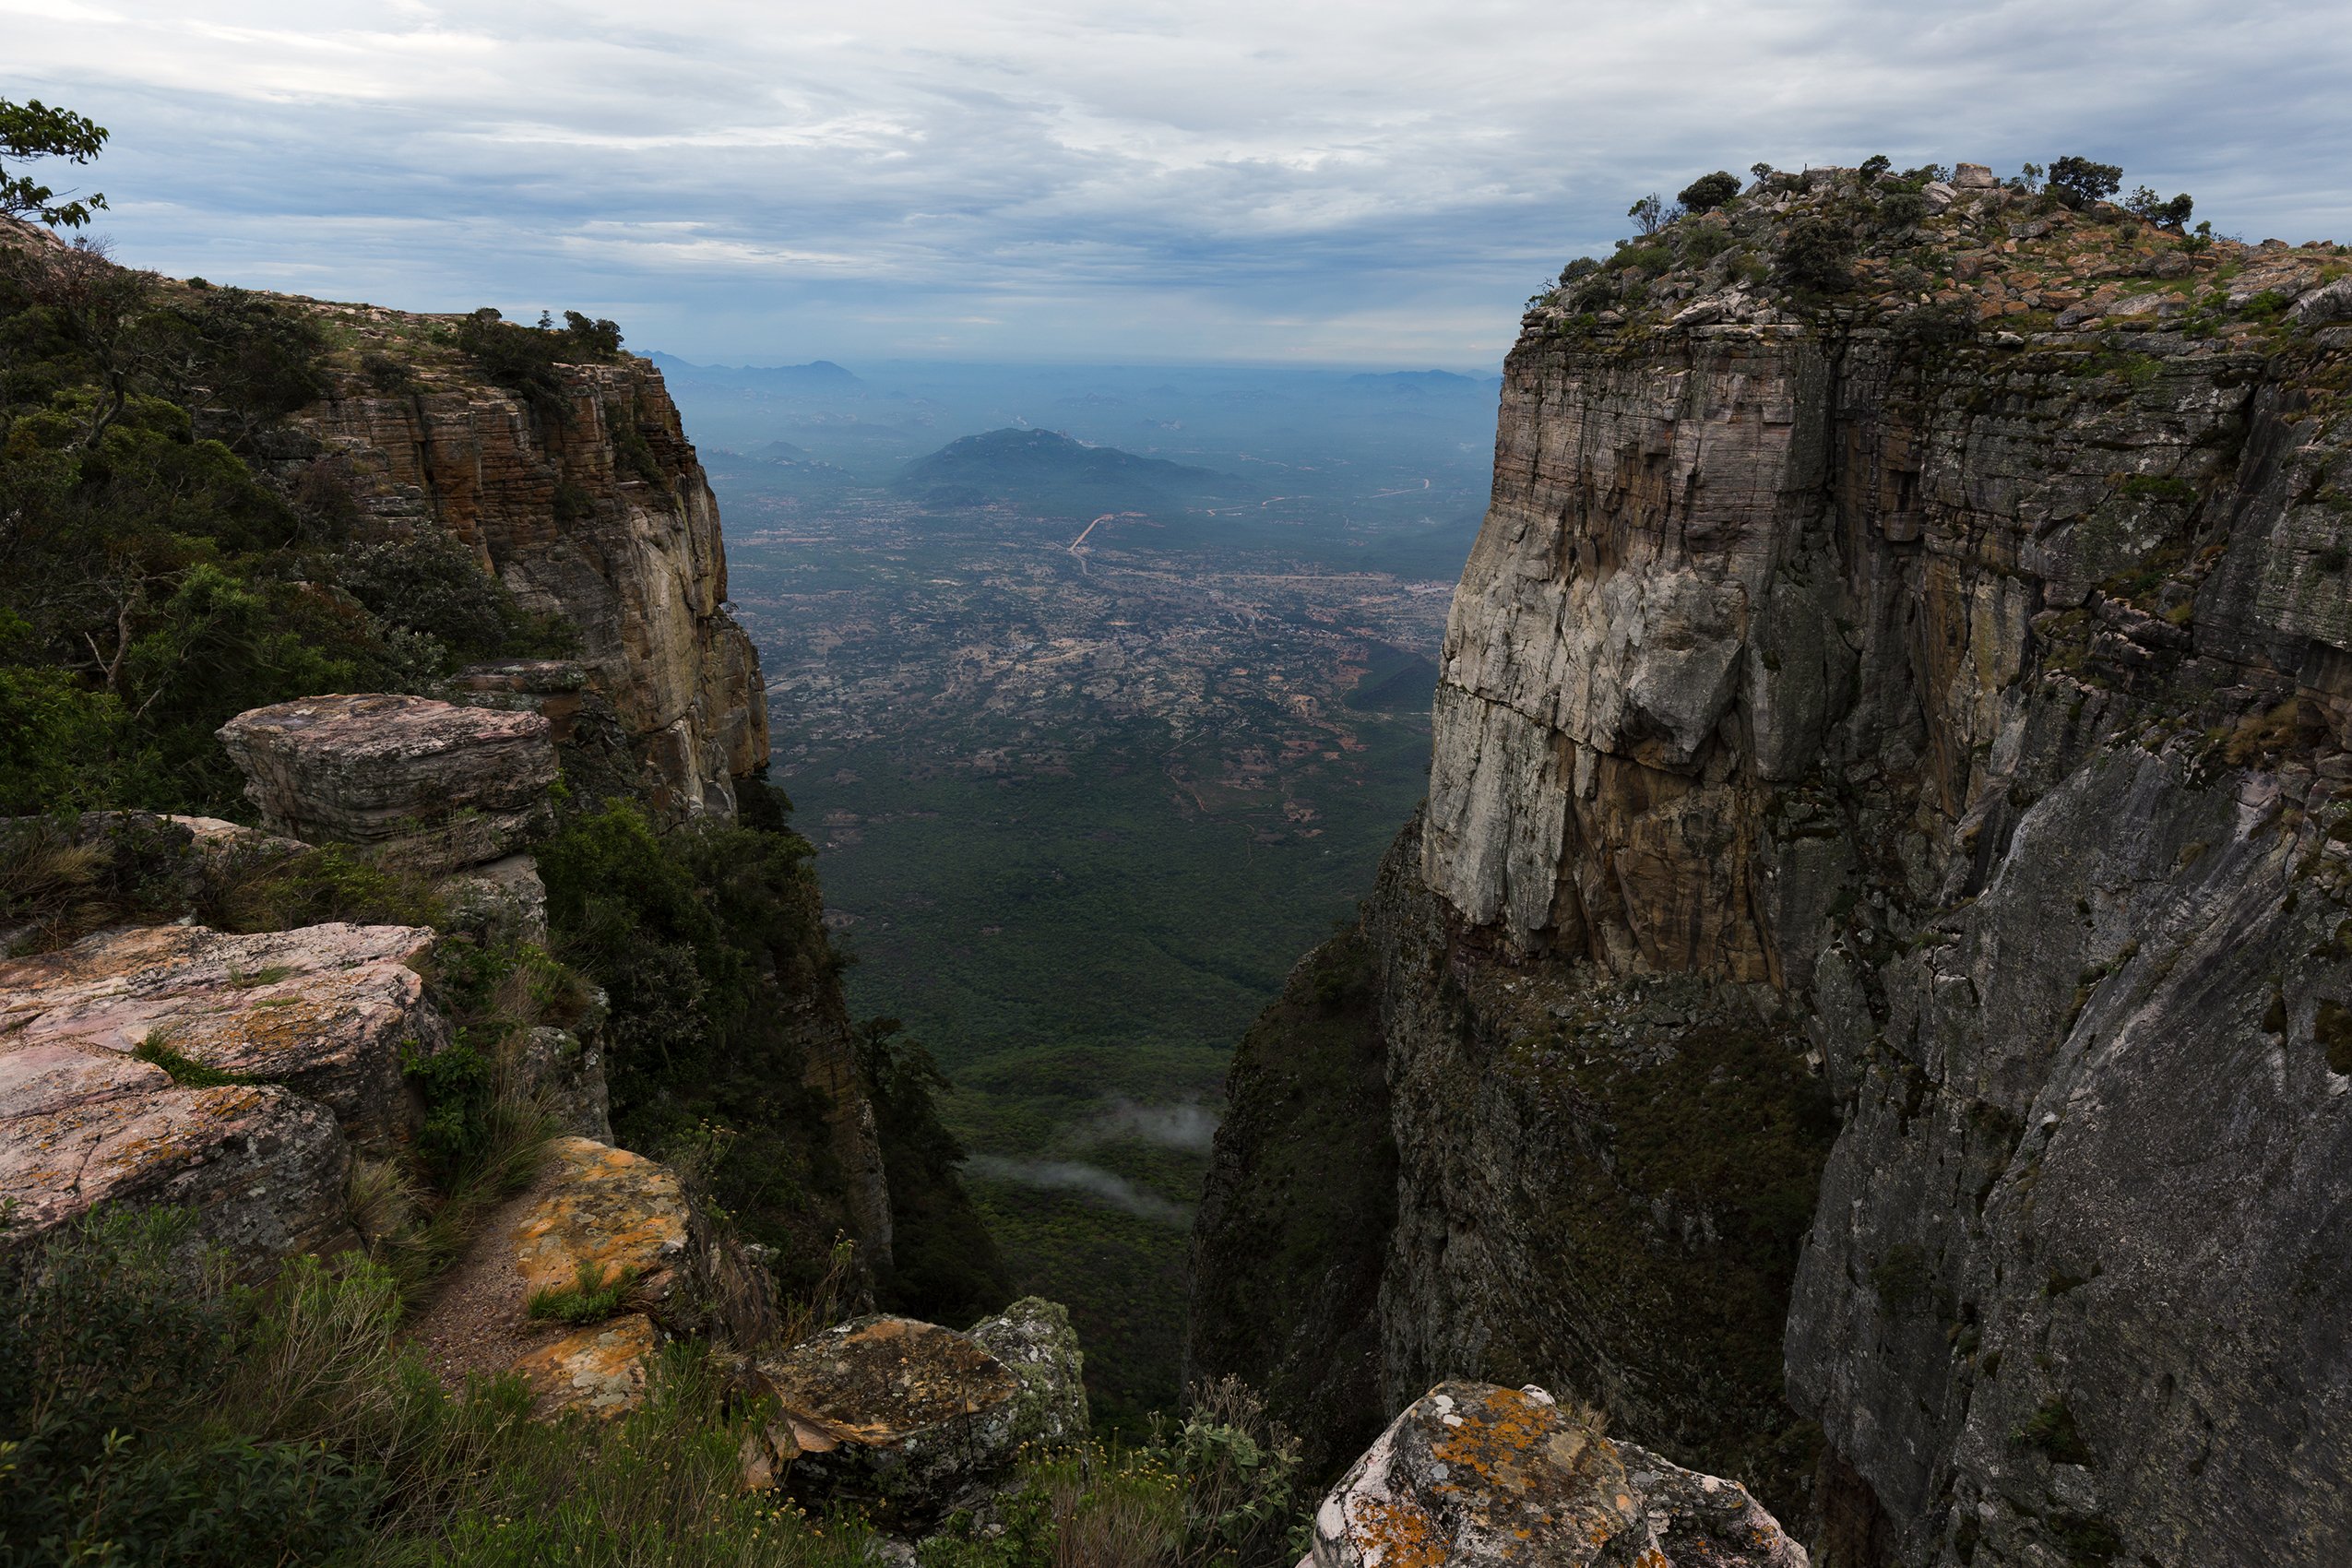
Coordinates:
<point>817,376</point>
<point>1424,383</point>
<point>1051,473</point>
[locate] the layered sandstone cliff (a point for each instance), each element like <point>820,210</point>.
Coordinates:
<point>1927,700</point>
<point>591,505</point>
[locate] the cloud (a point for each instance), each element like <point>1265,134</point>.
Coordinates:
<point>1185,1125</point>
<point>1375,181</point>
<point>1069,1176</point>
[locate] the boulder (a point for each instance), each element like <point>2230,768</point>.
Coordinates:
<point>612,1212</point>
<point>599,1371</point>
<point>80,1124</point>
<point>439,784</point>
<point>1972,177</point>
<point>592,1213</point>
<point>1501,1477</point>
<point>325,1010</point>
<point>565,1075</point>
<point>504,899</point>
<point>915,1420</point>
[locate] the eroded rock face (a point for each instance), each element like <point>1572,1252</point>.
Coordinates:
<point>920,1419</point>
<point>1948,688</point>
<point>326,1011</point>
<point>1474,1474</point>
<point>82,1124</point>
<point>450,784</point>
<point>598,511</point>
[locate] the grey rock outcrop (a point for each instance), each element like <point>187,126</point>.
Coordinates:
<point>1497,1477</point>
<point>915,1420</point>
<point>445,784</point>
<point>1943,689</point>
<point>232,1075</point>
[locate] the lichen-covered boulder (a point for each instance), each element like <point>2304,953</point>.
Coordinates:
<point>327,1010</point>
<point>913,1419</point>
<point>600,1370</point>
<point>610,1212</point>
<point>81,1124</point>
<point>443,784</point>
<point>1034,1338</point>
<point>602,1218</point>
<point>1475,1475</point>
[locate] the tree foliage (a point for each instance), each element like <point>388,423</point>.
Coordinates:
<point>31,130</point>
<point>1709,191</point>
<point>2079,182</point>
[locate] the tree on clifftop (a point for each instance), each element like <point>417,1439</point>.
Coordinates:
<point>2078,181</point>
<point>32,130</point>
<point>1709,191</point>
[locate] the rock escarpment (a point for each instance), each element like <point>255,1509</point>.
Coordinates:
<point>589,502</point>
<point>1920,686</point>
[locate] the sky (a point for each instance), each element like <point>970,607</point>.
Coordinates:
<point>1368,182</point>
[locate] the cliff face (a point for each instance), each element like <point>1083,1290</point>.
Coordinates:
<point>591,504</point>
<point>1927,699</point>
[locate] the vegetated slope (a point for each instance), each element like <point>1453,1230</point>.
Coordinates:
<point>1903,672</point>
<point>1047,472</point>
<point>220,499</point>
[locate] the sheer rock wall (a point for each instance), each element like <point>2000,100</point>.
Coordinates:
<point>1951,688</point>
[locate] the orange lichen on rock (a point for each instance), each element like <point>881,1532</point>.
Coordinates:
<point>1507,1478</point>
<point>600,1370</point>
<point>614,1212</point>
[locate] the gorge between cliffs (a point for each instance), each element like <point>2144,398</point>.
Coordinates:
<point>1850,1066</point>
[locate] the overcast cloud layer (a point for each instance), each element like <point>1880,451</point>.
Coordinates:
<point>1359,182</point>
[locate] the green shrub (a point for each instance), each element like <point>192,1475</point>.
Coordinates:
<point>1709,191</point>
<point>2051,1430</point>
<point>112,1336</point>
<point>431,584</point>
<point>2078,181</point>
<point>523,359</point>
<point>590,1298</point>
<point>2173,214</point>
<point>157,1414</point>
<point>1816,256</point>
<point>1901,209</point>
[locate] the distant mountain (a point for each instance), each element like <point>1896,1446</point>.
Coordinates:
<point>1421,383</point>
<point>1049,472</point>
<point>817,376</point>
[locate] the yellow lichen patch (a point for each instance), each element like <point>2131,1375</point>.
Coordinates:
<point>600,1370</point>
<point>1394,1535</point>
<point>614,1211</point>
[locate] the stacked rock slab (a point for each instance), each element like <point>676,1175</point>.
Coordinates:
<point>1950,676</point>
<point>1505,1477</point>
<point>451,786</point>
<point>291,1043</point>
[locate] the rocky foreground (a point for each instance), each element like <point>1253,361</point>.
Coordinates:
<point>1867,1004</point>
